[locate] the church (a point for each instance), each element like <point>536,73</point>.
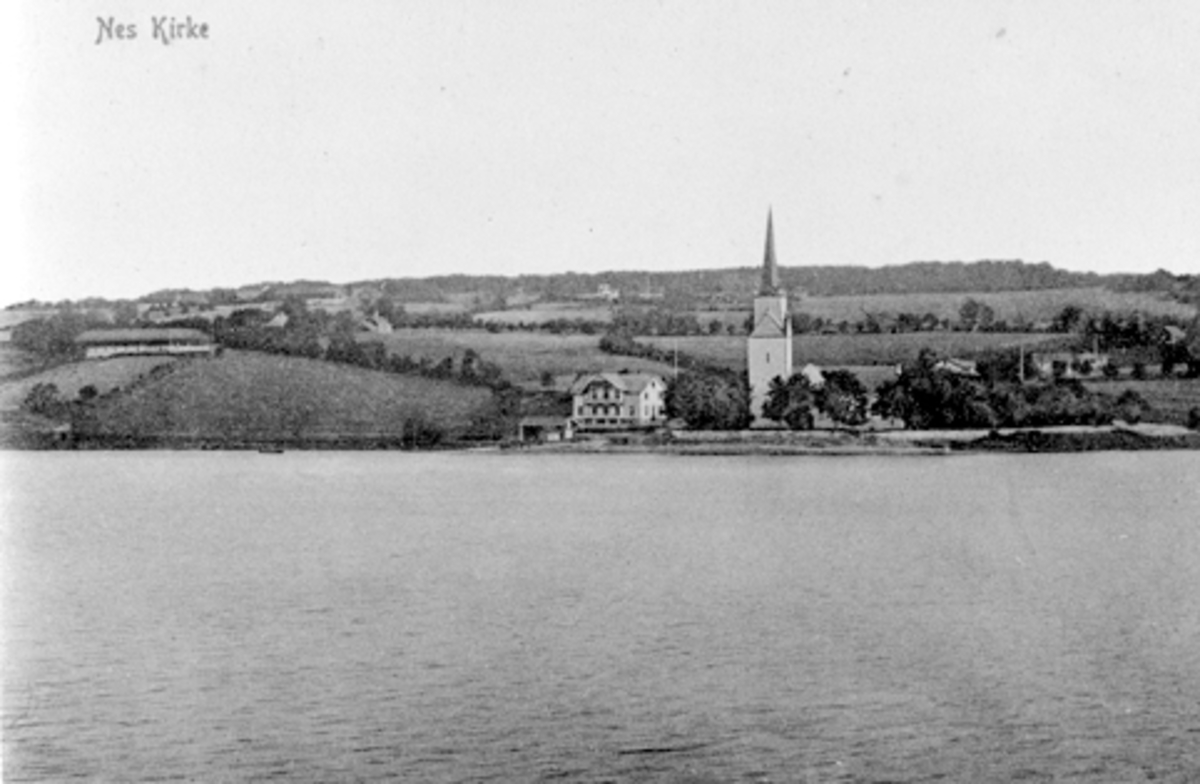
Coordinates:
<point>769,345</point>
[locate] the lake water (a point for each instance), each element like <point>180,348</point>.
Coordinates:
<point>514,617</point>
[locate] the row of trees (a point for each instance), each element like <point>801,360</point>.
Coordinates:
<point>925,396</point>
<point>841,397</point>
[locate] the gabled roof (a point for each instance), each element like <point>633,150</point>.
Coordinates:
<point>959,367</point>
<point>632,383</point>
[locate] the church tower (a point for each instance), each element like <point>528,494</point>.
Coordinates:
<point>769,347</point>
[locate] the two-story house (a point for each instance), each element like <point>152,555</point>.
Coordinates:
<point>616,401</point>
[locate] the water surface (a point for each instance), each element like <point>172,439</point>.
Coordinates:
<point>468,617</point>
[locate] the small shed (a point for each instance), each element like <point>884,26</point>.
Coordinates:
<point>546,428</point>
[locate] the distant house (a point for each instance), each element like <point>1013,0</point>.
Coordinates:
<point>377,324</point>
<point>814,374</point>
<point>102,343</point>
<point>1069,364</point>
<point>957,367</point>
<point>1172,335</point>
<point>604,292</point>
<point>618,401</point>
<point>278,321</point>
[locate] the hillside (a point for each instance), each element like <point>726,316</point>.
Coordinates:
<point>250,398</point>
<point>731,285</point>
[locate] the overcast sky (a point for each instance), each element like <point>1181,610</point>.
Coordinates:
<point>387,138</point>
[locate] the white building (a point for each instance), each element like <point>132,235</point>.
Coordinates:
<point>618,401</point>
<point>769,347</point>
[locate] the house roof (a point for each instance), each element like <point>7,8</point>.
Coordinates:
<point>814,374</point>
<point>960,367</point>
<point>163,335</point>
<point>633,383</point>
<point>541,420</point>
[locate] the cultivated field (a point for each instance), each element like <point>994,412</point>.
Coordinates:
<point>249,396</point>
<point>524,356</point>
<point>425,308</point>
<point>1029,306</point>
<point>544,312</point>
<point>852,350</point>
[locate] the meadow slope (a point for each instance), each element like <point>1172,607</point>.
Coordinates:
<point>523,356</point>
<point>248,397</point>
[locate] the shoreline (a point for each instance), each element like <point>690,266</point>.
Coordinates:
<point>833,443</point>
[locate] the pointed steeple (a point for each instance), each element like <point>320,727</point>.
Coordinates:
<point>770,272</point>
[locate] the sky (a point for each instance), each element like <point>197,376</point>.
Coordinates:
<point>390,138</point>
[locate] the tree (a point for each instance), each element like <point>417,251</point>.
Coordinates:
<point>43,399</point>
<point>791,402</point>
<point>1069,319</point>
<point>975,315</point>
<point>927,397</point>
<point>843,398</point>
<point>710,400</point>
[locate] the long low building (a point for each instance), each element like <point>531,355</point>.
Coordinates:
<point>102,343</point>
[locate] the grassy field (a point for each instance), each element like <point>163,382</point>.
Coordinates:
<point>244,396</point>
<point>544,312</point>
<point>104,374</point>
<point>852,350</point>
<point>425,308</point>
<point>524,356</point>
<point>1171,398</point>
<point>1031,306</point>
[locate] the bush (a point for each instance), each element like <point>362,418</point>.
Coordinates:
<point>1111,370</point>
<point>1193,420</point>
<point>43,400</point>
<point>1139,371</point>
<point>1131,407</point>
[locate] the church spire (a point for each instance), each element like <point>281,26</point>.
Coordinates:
<point>770,272</point>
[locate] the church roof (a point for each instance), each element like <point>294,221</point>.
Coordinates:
<point>769,326</point>
<point>770,271</point>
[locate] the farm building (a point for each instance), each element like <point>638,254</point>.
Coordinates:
<point>1069,364</point>
<point>617,401</point>
<point>102,343</point>
<point>546,428</point>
